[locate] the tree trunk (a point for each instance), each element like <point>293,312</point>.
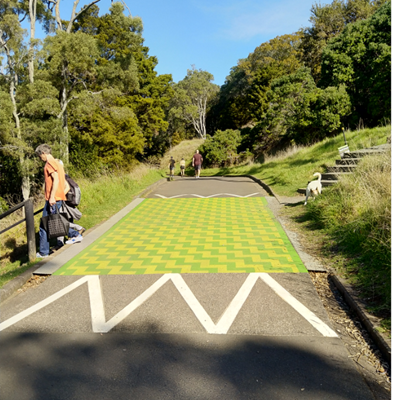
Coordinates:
<point>32,13</point>
<point>65,97</point>
<point>25,173</point>
<point>57,16</point>
<point>64,139</point>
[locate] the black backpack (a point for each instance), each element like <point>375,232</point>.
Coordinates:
<point>73,197</point>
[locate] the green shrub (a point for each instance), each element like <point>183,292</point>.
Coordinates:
<point>221,149</point>
<point>3,205</point>
<point>245,157</point>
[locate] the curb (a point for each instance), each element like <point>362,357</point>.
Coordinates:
<point>259,181</point>
<point>152,186</point>
<point>365,318</point>
<point>11,287</point>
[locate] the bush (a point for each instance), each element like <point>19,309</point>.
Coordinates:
<point>245,157</point>
<point>3,206</point>
<point>221,149</point>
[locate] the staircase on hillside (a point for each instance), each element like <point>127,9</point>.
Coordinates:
<point>347,165</point>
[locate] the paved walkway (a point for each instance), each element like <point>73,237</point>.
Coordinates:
<point>196,262</point>
<point>191,235</point>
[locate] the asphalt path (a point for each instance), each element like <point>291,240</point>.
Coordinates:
<point>174,336</point>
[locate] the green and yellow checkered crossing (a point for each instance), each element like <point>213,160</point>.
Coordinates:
<point>216,235</point>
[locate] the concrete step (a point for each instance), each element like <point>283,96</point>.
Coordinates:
<point>328,183</point>
<point>333,176</point>
<point>348,161</point>
<point>347,165</point>
<point>341,168</point>
<point>362,153</point>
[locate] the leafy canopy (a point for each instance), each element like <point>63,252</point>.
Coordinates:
<point>299,112</point>
<point>328,21</point>
<point>360,58</point>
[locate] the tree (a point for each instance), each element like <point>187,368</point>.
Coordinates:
<point>360,58</point>
<point>66,64</point>
<point>29,98</point>
<point>191,97</point>
<point>300,112</point>
<point>125,67</point>
<point>242,99</point>
<point>38,10</point>
<point>70,64</point>
<point>269,61</point>
<point>328,21</point>
<point>11,44</point>
<point>229,107</point>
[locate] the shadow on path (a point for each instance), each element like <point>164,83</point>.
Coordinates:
<point>94,366</point>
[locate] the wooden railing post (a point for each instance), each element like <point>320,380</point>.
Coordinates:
<point>30,229</point>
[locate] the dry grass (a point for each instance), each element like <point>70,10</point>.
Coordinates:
<point>355,214</point>
<point>283,154</point>
<point>370,185</point>
<point>356,339</point>
<point>185,149</point>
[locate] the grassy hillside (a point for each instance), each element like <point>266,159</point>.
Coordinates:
<point>288,171</point>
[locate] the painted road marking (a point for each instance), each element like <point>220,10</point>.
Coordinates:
<point>100,325</point>
<point>18,317</point>
<point>217,235</point>
<point>299,307</point>
<point>206,197</point>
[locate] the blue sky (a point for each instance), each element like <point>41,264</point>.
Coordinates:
<point>212,35</point>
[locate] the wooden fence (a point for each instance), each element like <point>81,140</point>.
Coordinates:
<point>30,229</point>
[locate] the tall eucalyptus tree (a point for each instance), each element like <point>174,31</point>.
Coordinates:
<point>70,57</point>
<point>191,97</point>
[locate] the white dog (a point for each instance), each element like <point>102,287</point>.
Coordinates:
<point>314,188</point>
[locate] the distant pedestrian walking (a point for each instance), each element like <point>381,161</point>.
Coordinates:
<point>171,166</point>
<point>197,160</point>
<point>182,167</point>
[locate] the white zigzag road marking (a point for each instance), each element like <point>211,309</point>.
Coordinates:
<point>99,324</point>
<point>18,317</point>
<point>225,322</point>
<point>206,197</point>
